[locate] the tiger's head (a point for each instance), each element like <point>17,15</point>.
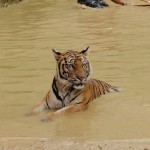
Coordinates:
<point>73,68</point>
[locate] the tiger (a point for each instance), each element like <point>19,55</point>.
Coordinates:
<point>72,87</point>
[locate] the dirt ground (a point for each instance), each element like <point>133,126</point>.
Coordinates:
<point>27,143</point>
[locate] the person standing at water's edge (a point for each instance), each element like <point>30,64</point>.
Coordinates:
<point>100,3</point>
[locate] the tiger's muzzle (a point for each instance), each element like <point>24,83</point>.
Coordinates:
<point>79,84</point>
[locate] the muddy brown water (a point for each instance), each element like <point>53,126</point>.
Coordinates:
<point>119,39</point>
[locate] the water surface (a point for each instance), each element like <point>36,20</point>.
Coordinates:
<point>120,50</point>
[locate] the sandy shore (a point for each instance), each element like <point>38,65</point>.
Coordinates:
<point>28,143</point>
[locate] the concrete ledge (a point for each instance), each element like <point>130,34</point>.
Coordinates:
<point>31,143</point>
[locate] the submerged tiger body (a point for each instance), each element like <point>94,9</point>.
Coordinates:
<point>72,88</point>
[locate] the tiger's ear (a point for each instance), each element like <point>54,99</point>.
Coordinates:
<point>56,54</point>
<point>85,51</point>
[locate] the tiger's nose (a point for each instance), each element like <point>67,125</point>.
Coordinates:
<point>81,78</point>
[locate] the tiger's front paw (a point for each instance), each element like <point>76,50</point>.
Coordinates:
<point>47,118</point>
<point>31,114</point>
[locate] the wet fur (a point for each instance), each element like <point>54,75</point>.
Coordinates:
<point>72,88</point>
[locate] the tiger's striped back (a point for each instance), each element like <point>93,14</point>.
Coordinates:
<point>96,88</point>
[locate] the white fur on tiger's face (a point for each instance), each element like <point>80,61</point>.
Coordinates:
<point>73,68</point>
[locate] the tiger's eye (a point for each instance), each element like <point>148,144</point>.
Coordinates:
<point>69,66</point>
<point>66,74</point>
